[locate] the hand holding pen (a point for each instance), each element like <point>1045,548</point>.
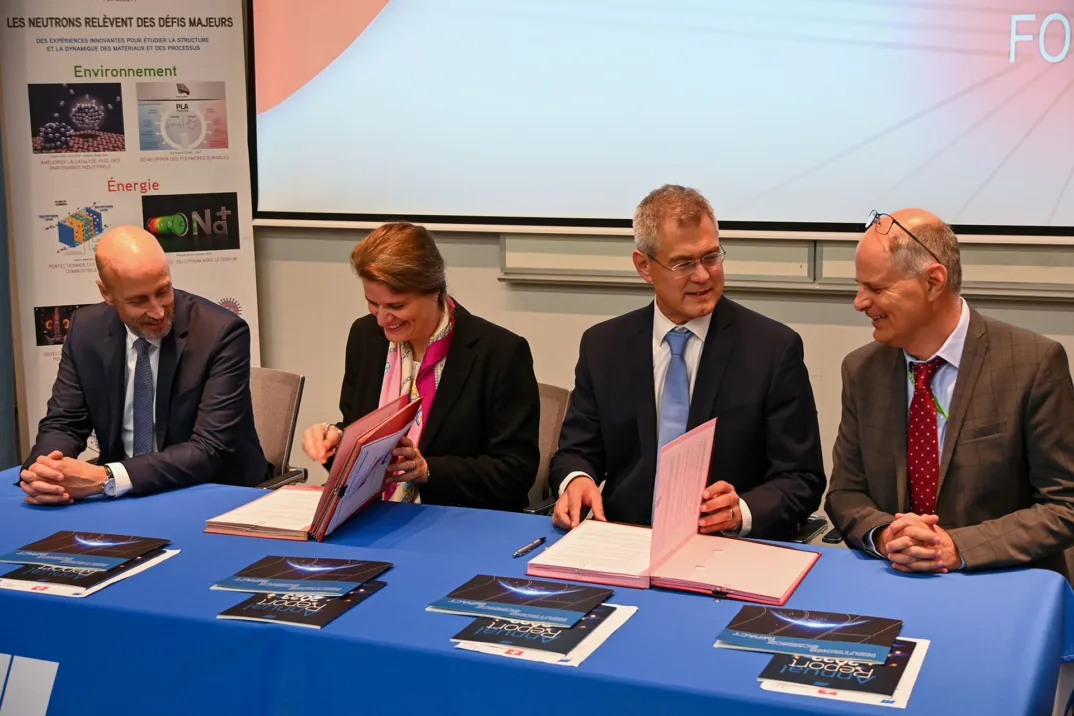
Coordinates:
<point>320,441</point>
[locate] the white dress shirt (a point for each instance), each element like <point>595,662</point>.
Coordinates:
<point>943,390</point>
<point>123,480</point>
<point>699,330</point>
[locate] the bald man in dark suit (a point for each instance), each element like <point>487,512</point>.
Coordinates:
<point>160,375</point>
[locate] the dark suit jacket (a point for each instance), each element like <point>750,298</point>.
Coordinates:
<point>751,377</point>
<point>480,437</point>
<point>204,420</point>
<point>1006,492</point>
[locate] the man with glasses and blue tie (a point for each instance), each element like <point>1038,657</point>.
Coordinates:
<point>163,378</point>
<point>645,378</point>
<point>955,448</point>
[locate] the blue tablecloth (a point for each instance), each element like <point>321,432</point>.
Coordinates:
<point>152,644</point>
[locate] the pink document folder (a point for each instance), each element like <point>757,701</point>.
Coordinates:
<point>301,512</point>
<point>672,554</point>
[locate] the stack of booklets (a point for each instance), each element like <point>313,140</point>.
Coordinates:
<point>299,512</point>
<point>847,657</point>
<point>529,601</point>
<point>302,591</point>
<point>672,554</point>
<point>889,684</point>
<point>532,619</point>
<point>77,564</point>
<point>566,646</point>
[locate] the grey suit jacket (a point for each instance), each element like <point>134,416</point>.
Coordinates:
<point>1006,492</point>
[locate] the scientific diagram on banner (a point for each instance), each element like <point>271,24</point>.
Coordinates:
<point>77,118</point>
<point>123,113</point>
<point>52,323</point>
<point>181,115</point>
<point>75,228</point>
<point>193,222</point>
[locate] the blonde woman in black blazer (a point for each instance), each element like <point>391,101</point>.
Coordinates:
<point>478,435</point>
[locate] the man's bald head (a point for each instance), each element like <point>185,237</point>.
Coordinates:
<point>133,277</point>
<point>128,252</point>
<point>909,275</point>
<point>935,243</point>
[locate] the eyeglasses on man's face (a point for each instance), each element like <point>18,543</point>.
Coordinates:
<point>684,268</point>
<point>884,222</point>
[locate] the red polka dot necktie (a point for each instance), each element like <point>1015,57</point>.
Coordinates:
<point>923,443</point>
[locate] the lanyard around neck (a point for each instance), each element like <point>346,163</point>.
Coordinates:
<point>935,400</point>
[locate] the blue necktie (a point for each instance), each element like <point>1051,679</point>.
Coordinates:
<point>143,399</point>
<point>675,403</point>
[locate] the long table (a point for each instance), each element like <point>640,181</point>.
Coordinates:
<point>153,645</point>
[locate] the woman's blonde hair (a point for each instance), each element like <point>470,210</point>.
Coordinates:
<point>404,257</point>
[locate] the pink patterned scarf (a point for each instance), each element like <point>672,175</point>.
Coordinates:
<point>399,379</point>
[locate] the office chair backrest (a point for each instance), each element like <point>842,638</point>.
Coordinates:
<point>553,409</point>
<point>277,396</point>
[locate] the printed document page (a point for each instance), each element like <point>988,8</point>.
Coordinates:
<point>605,547</point>
<point>289,508</point>
<point>680,480</point>
<point>366,478</point>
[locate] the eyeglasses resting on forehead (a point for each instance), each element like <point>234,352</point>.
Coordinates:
<point>685,268</point>
<point>884,222</point>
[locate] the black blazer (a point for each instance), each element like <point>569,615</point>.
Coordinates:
<point>480,437</point>
<point>204,420</point>
<point>751,376</point>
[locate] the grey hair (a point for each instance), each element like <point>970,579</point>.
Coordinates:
<point>670,201</point>
<point>912,259</point>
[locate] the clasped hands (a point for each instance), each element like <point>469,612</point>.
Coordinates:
<point>57,480</point>
<point>917,543</point>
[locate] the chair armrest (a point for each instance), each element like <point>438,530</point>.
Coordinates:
<point>291,476</point>
<point>544,508</point>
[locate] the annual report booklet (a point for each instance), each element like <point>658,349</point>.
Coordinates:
<point>534,642</point>
<point>810,633</point>
<point>95,551</point>
<point>540,637</point>
<point>298,609</point>
<point>299,512</point>
<point>303,575</point>
<point>672,554</point>
<point>889,684</point>
<point>76,581</point>
<point>523,600</point>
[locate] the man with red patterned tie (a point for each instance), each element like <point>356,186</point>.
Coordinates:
<point>955,448</point>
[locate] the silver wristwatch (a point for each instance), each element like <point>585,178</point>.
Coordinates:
<point>109,482</point>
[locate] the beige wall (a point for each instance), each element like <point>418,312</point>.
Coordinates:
<point>308,298</point>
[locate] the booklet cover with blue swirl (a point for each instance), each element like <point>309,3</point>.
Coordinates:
<point>303,610</point>
<point>558,640</point>
<point>843,674</point>
<point>84,550</point>
<point>532,601</point>
<point>303,575</point>
<point>76,576</point>
<point>810,633</point>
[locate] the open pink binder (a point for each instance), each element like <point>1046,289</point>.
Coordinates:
<point>672,554</point>
<point>302,512</point>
